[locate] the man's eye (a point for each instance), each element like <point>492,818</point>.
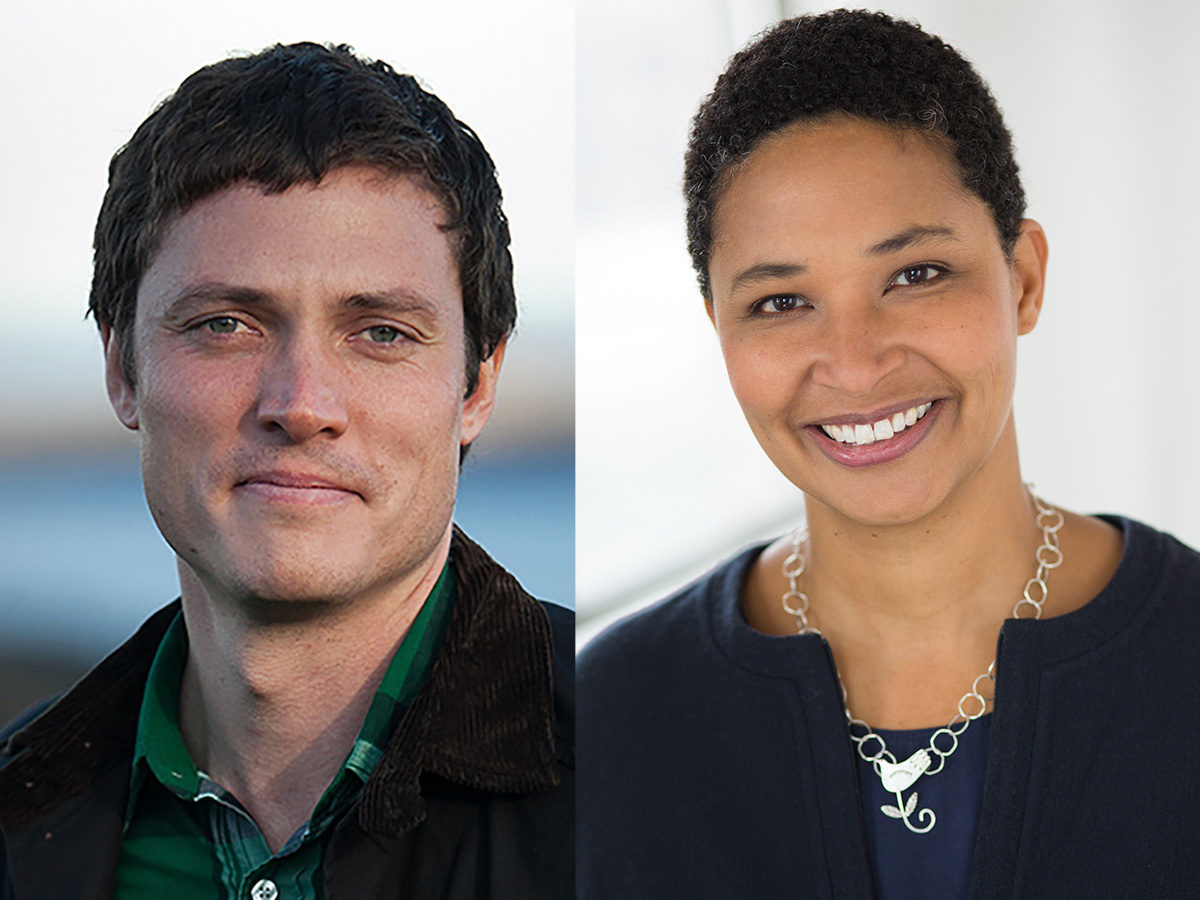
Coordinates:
<point>384,334</point>
<point>914,275</point>
<point>221,325</point>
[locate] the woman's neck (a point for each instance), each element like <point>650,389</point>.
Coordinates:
<point>936,578</point>
<point>912,611</point>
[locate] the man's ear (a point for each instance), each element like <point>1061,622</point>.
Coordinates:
<point>1029,270</point>
<point>120,392</point>
<point>477,408</point>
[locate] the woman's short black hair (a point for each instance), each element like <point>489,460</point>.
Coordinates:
<point>289,115</point>
<point>858,63</point>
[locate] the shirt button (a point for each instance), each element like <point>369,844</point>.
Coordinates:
<point>264,889</point>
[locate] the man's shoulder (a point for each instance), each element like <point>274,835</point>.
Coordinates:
<point>527,641</point>
<point>562,631</point>
<point>562,620</point>
<point>23,719</point>
<point>96,716</point>
<point>562,638</point>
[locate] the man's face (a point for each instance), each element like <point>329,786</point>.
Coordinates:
<point>855,282</point>
<point>300,381</point>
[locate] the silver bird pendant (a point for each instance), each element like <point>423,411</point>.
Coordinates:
<point>899,777</point>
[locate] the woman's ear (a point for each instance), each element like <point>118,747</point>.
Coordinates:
<point>1029,270</point>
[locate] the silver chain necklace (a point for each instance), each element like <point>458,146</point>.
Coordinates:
<point>895,776</point>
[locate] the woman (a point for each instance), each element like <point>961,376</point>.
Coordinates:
<point>849,711</point>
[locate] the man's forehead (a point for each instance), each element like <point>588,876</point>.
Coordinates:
<point>356,233</point>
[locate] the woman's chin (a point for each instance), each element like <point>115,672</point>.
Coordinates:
<point>867,506</point>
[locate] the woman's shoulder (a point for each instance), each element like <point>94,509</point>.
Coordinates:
<point>1156,554</point>
<point>1169,568</point>
<point>670,631</point>
<point>1153,594</point>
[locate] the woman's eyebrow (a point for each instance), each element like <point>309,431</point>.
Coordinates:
<point>910,236</point>
<point>765,272</point>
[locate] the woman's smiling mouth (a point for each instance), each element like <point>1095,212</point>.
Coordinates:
<point>889,437</point>
<point>882,430</point>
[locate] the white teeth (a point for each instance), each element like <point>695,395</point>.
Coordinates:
<point>884,429</point>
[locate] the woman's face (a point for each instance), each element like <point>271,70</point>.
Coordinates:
<point>868,316</point>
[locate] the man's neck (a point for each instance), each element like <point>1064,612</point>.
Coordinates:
<point>270,709</point>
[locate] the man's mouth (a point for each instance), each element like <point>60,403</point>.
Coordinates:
<point>295,486</point>
<point>860,435</point>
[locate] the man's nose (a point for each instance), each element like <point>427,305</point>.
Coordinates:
<point>860,350</point>
<point>300,392</point>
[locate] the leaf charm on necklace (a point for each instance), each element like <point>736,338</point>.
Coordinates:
<point>897,777</point>
<point>897,813</point>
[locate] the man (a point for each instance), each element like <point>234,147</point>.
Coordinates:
<point>303,288</point>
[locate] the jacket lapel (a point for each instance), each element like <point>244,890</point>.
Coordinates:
<point>484,718</point>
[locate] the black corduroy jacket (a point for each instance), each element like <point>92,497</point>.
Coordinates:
<point>473,797</point>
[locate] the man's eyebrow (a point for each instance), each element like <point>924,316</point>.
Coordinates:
<point>910,236</point>
<point>397,300</point>
<point>765,272</point>
<point>207,292</point>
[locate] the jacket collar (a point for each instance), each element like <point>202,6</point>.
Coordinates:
<point>483,719</point>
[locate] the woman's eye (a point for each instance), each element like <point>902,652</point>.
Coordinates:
<point>914,275</point>
<point>780,303</point>
<point>384,334</point>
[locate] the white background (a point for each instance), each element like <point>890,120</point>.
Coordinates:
<point>1103,100</point>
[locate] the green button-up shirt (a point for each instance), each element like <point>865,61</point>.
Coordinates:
<point>187,838</point>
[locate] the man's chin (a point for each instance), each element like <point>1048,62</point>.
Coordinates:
<point>289,575</point>
<point>288,589</point>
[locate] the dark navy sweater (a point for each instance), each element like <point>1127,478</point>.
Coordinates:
<point>714,760</point>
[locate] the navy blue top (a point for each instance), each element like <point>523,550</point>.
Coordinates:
<point>714,760</point>
<point>910,866</point>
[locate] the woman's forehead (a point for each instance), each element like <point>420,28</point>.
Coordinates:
<point>850,176</point>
